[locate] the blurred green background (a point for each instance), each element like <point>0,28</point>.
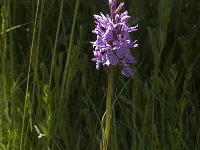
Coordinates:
<point>49,85</point>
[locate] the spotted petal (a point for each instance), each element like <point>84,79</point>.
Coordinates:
<point>110,58</point>
<point>127,71</point>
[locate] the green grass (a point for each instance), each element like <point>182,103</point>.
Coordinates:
<point>48,79</point>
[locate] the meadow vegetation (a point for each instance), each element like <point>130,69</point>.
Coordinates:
<point>49,85</point>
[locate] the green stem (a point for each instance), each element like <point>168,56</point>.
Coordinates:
<point>108,107</point>
<point>21,147</point>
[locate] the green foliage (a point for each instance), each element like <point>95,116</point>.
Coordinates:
<point>52,97</point>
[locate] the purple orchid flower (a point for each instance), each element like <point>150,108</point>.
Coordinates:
<point>113,43</point>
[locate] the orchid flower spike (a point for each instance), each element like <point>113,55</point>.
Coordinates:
<point>113,43</point>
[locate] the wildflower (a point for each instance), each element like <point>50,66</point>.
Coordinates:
<point>113,43</point>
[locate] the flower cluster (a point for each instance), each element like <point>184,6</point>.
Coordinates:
<point>113,43</point>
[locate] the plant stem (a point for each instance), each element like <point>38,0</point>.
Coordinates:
<point>108,107</point>
<point>28,78</point>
